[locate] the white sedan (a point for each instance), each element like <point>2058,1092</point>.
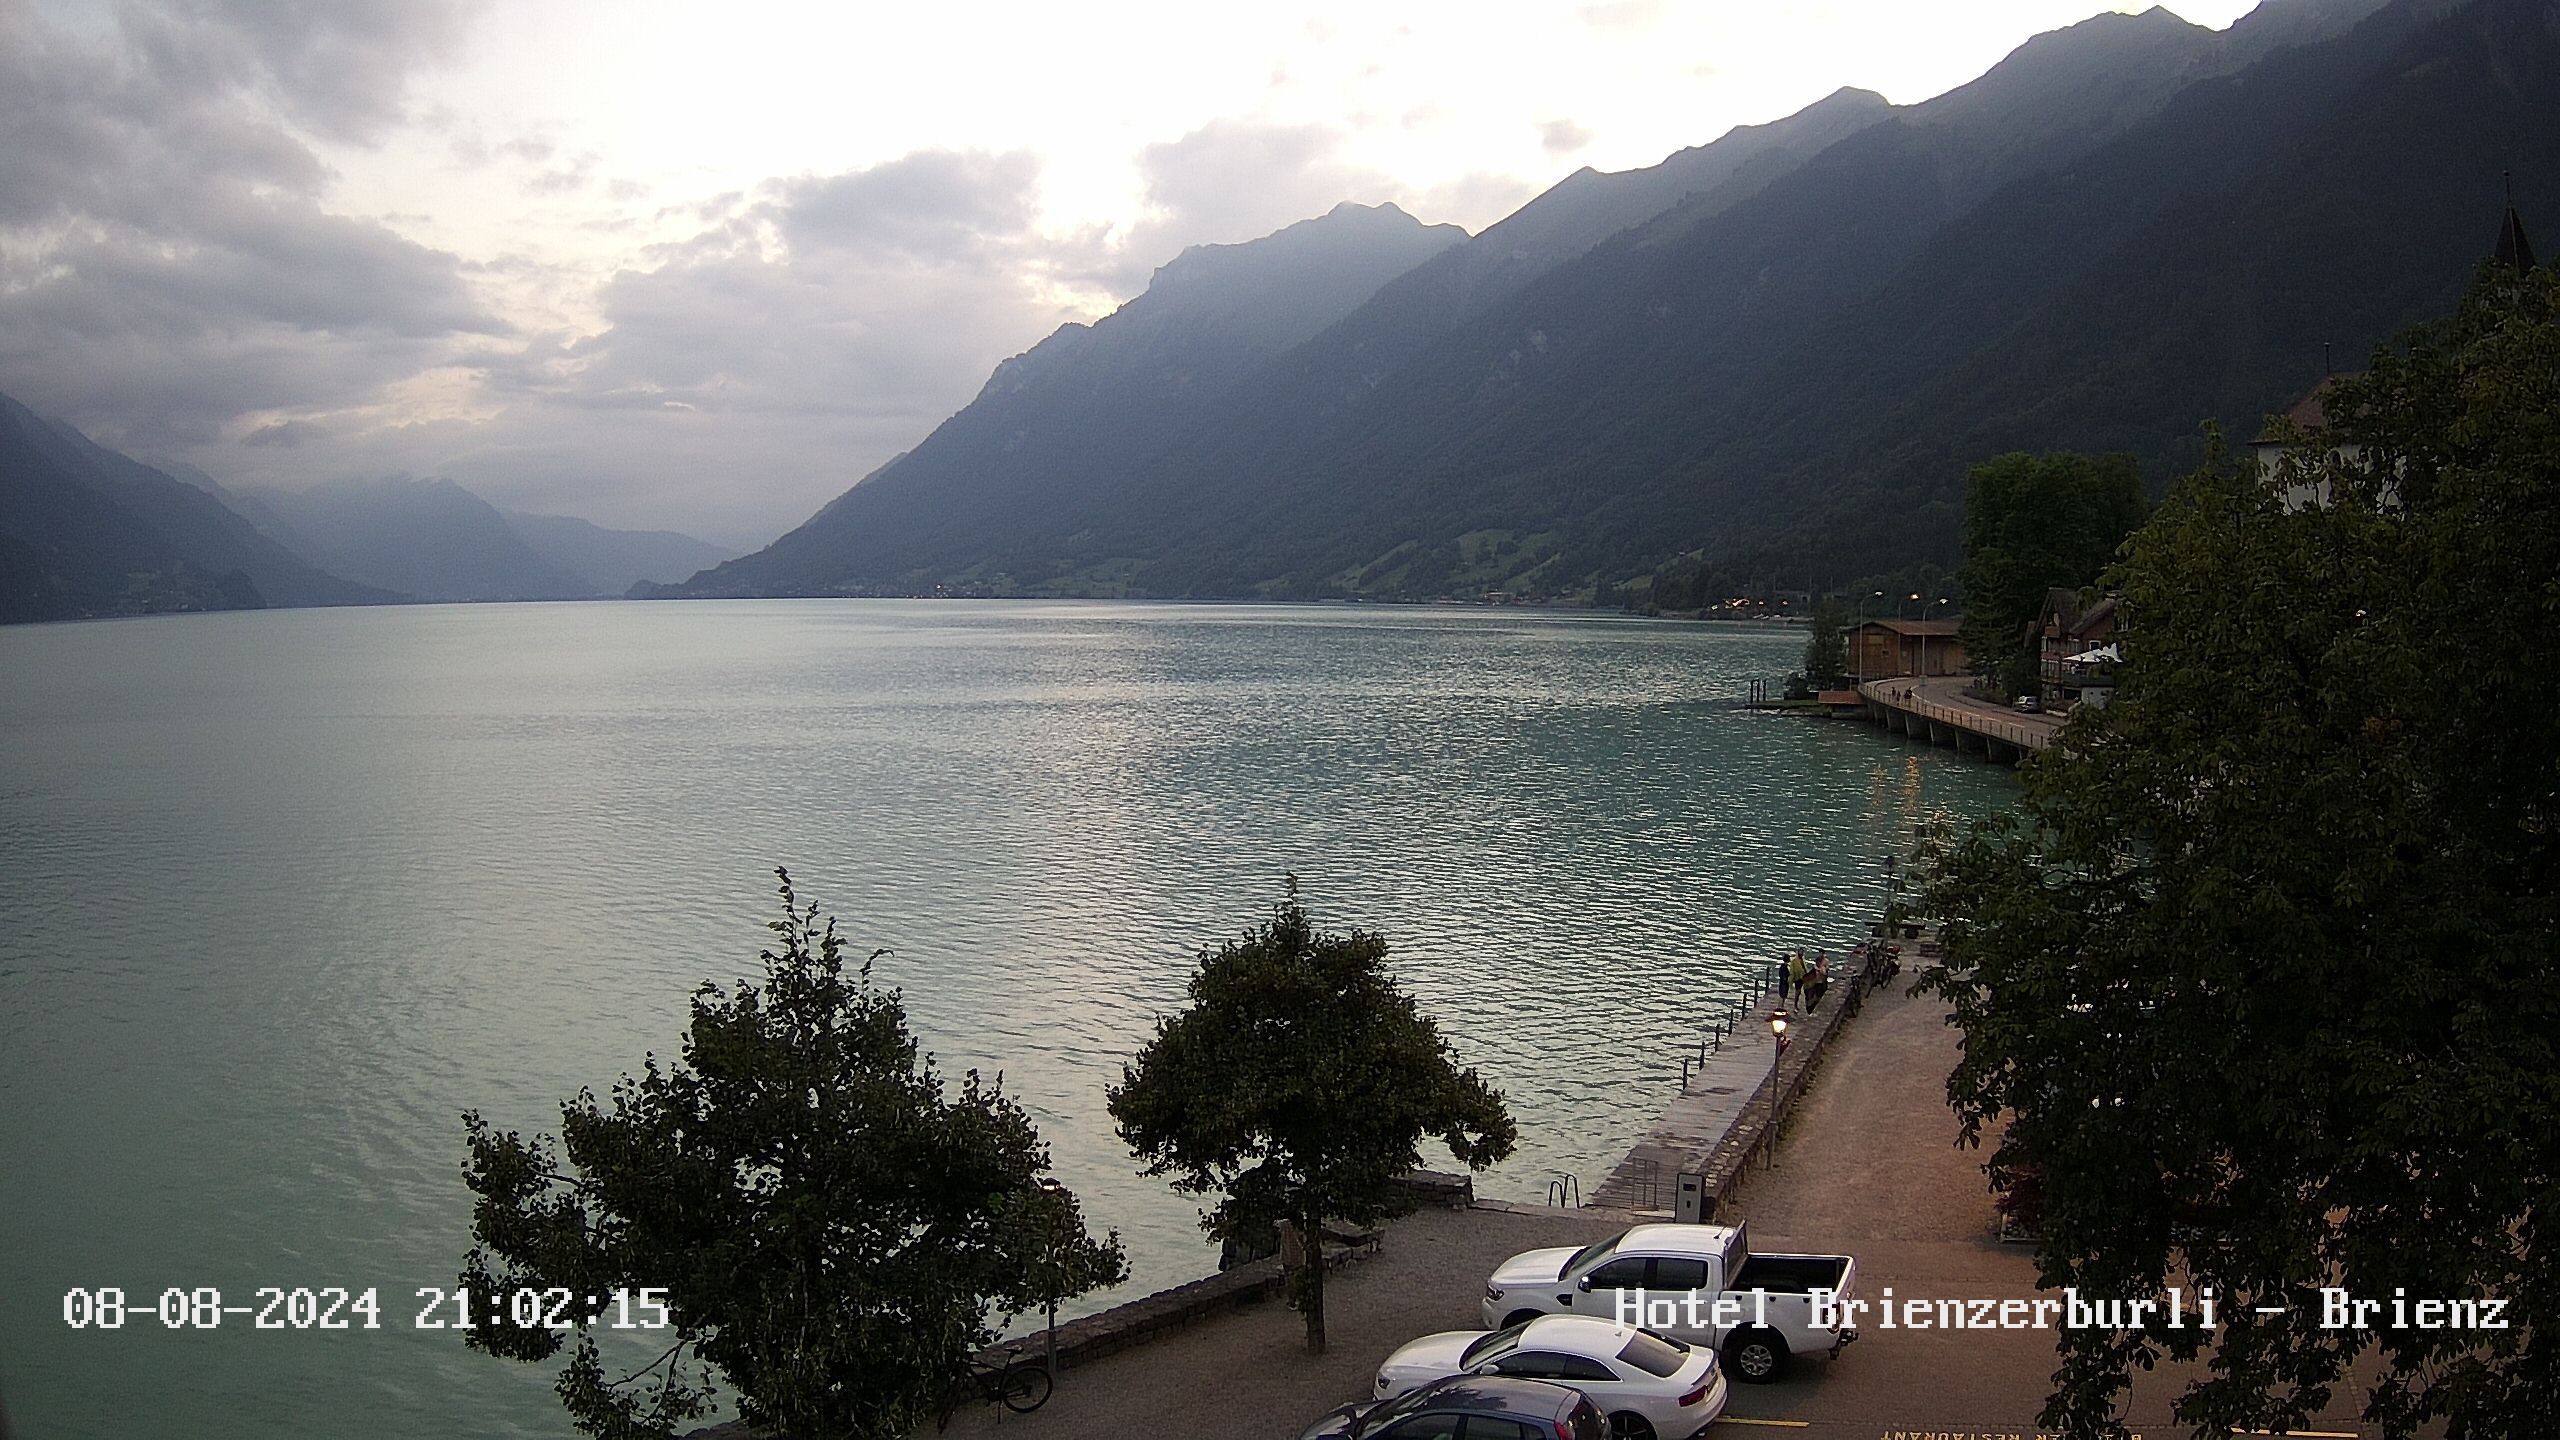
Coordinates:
<point>1651,1386</point>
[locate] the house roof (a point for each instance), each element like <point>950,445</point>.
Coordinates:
<point>1931,628</point>
<point>2309,414</point>
<point>2102,613</point>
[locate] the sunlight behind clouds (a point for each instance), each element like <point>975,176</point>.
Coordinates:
<point>447,237</point>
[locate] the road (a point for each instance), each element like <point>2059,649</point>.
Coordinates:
<point>1869,1165</point>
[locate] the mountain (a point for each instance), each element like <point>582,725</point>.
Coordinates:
<point>85,531</point>
<point>2126,228</point>
<point>428,538</point>
<point>610,562</point>
<point>1052,430</point>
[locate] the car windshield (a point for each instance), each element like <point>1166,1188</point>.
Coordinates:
<point>1590,1255</point>
<point>1500,1342</point>
<point>1657,1355</point>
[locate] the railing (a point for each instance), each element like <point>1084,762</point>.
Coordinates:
<point>2026,735</point>
<point>1728,1016</point>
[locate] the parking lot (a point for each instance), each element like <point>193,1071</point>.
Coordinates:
<point>1869,1166</point>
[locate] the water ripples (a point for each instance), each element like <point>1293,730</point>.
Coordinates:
<point>290,891</point>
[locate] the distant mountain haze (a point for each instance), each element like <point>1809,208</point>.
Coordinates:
<point>609,561</point>
<point>435,540</point>
<point>1779,351</point>
<point>85,531</point>
<point>428,538</point>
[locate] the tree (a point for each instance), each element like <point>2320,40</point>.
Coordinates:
<point>2263,968</point>
<point>2033,522</point>
<point>1298,1086</point>
<point>1826,653</point>
<point>824,1225</point>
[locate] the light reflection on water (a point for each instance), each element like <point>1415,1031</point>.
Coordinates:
<point>286,892</point>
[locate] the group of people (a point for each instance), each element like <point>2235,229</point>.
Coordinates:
<point>1804,982</point>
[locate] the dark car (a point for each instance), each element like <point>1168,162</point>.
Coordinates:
<point>1468,1407</point>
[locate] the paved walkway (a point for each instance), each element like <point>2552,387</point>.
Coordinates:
<point>1248,1375</point>
<point>1943,699</point>
<point>1868,1165</point>
<point>1731,1088</point>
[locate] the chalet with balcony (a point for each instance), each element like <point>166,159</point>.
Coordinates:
<point>2076,653</point>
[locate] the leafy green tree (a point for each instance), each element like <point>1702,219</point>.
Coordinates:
<point>1826,650</point>
<point>2032,522</point>
<point>1298,1086</point>
<point>826,1226</point>
<point>2260,979</point>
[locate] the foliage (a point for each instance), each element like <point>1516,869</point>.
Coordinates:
<point>1787,377</point>
<point>2264,968</point>
<point>1298,1086</point>
<point>829,1229</point>
<point>2032,522</point>
<point>1826,651</point>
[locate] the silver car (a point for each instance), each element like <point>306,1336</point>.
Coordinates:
<point>1650,1386</point>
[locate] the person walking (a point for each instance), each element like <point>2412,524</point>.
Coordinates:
<point>1796,971</point>
<point>1818,980</point>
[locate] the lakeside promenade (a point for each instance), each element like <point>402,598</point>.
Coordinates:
<point>1938,710</point>
<point>1867,1164</point>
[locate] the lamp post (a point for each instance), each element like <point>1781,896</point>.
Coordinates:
<point>1049,1186</point>
<point>1778,1032</point>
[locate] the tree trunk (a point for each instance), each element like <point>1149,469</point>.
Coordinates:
<point>1313,1245</point>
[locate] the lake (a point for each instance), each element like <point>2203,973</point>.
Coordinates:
<point>285,892</point>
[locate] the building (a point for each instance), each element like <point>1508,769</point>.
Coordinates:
<point>2076,653</point>
<point>1879,649</point>
<point>2301,434</point>
<point>2308,420</point>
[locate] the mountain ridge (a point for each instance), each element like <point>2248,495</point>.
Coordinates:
<point>1768,372</point>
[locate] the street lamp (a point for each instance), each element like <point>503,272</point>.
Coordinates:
<point>1777,1031</point>
<point>1057,1194</point>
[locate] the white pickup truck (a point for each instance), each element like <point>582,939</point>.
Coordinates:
<point>1759,1310</point>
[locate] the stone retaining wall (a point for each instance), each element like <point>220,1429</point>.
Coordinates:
<point>1090,1337</point>
<point>1810,1033</point>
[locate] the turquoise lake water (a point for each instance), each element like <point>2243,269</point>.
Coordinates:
<point>286,892</point>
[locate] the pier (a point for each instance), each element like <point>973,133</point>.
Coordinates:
<point>1722,1122</point>
<point>1936,709</point>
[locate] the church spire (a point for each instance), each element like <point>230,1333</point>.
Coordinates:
<point>2513,250</point>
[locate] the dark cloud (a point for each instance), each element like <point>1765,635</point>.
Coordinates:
<point>166,265</point>
<point>753,370</point>
<point>339,68</point>
<point>172,279</point>
<point>931,202</point>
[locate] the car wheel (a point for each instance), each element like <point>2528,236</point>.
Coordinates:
<point>1625,1426</point>
<point>1756,1357</point>
<point>1519,1317</point>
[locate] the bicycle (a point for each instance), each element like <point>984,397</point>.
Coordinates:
<point>1019,1385</point>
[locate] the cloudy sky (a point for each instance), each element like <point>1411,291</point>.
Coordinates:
<point>694,265</point>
